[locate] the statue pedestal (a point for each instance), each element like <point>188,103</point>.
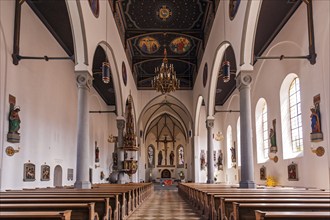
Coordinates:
<point>13,137</point>
<point>316,137</point>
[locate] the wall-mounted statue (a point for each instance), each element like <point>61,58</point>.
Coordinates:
<point>13,135</point>
<point>180,156</point>
<point>272,138</point>
<point>203,160</point>
<point>97,153</point>
<point>233,153</point>
<point>220,160</point>
<point>172,158</point>
<point>316,134</point>
<point>160,157</point>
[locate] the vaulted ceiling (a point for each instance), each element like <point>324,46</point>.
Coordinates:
<point>147,27</point>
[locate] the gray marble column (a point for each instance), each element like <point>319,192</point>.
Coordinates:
<point>84,82</point>
<point>247,163</point>
<point>120,153</point>
<point>210,162</point>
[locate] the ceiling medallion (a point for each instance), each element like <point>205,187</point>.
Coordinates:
<point>180,45</point>
<point>149,45</point>
<point>164,13</point>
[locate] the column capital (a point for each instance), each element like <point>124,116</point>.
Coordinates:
<point>209,122</point>
<point>243,79</point>
<point>83,79</point>
<point>120,123</point>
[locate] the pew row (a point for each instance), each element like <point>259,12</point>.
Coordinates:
<point>102,206</point>
<point>246,211</point>
<point>272,215</point>
<point>121,200</point>
<point>62,215</point>
<point>209,199</point>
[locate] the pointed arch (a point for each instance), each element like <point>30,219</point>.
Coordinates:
<point>214,75</point>
<point>79,35</point>
<point>197,114</point>
<point>248,36</point>
<point>120,103</point>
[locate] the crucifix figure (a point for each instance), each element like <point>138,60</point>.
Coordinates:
<point>165,141</point>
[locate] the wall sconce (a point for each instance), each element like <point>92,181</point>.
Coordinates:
<point>219,136</point>
<point>273,157</point>
<point>97,165</point>
<point>319,151</point>
<point>106,72</point>
<point>10,151</point>
<point>112,139</point>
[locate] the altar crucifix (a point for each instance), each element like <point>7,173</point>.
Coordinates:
<point>165,141</point>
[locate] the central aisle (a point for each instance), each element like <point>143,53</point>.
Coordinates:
<point>164,204</point>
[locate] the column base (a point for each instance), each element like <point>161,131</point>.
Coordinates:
<point>247,184</point>
<point>210,181</point>
<point>82,185</point>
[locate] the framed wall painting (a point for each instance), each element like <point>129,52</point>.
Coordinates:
<point>29,173</point>
<point>70,174</point>
<point>293,172</point>
<point>263,173</point>
<point>45,173</point>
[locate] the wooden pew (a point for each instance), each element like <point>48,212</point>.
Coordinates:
<point>209,203</point>
<point>79,211</point>
<point>62,215</point>
<point>272,215</point>
<point>245,211</point>
<point>102,206</point>
<point>123,198</point>
<point>206,197</point>
<point>226,206</point>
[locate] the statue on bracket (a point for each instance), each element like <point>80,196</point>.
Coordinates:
<point>160,157</point>
<point>220,160</point>
<point>272,138</point>
<point>203,160</point>
<point>316,134</point>
<point>233,153</point>
<point>97,153</point>
<point>13,135</point>
<point>172,158</point>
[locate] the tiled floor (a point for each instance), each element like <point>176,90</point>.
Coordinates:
<point>164,204</point>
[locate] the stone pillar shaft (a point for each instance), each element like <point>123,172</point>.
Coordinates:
<point>247,163</point>
<point>120,152</point>
<point>83,79</point>
<point>210,162</point>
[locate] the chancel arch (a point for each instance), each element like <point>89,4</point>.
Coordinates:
<point>164,124</point>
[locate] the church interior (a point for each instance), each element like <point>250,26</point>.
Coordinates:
<point>127,98</point>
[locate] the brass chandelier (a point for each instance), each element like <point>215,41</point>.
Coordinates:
<point>165,80</point>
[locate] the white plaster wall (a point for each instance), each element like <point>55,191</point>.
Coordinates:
<point>230,118</point>
<point>202,145</point>
<point>47,95</point>
<point>267,78</point>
